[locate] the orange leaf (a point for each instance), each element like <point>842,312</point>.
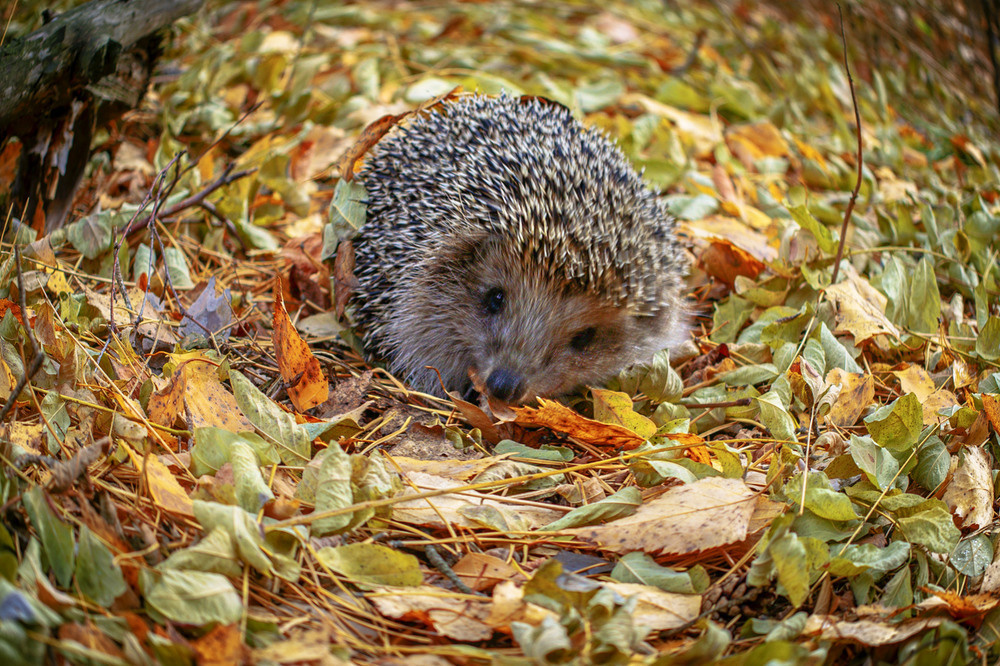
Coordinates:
<point>166,492</point>
<point>307,387</point>
<point>560,418</point>
<point>197,398</point>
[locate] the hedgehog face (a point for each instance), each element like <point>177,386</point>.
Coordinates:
<point>529,334</point>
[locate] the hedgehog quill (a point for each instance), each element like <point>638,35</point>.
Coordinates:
<point>512,250</point>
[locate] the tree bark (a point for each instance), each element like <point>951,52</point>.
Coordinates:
<point>79,72</point>
<point>44,70</point>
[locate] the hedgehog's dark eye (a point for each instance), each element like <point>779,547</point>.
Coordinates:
<point>582,339</point>
<point>493,300</point>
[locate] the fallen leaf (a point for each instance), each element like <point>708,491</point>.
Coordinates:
<point>969,494</point>
<point>307,386</point>
<point>457,616</point>
<point>699,516</point>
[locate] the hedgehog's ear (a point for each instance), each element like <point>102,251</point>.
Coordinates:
<point>461,255</point>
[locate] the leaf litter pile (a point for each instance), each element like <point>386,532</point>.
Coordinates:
<point>200,467</point>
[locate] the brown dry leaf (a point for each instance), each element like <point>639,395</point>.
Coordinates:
<point>867,632</point>
<point>991,407</point>
<point>860,309</point>
<point>756,140</point>
<point>482,572</point>
<point>724,261</point>
<point>991,577</point>
<point>91,638</point>
<point>302,648</point>
<point>509,606</point>
<point>856,393</point>
<point>28,436</point>
<point>659,610</point>
<point>319,149</point>
<point>166,492</point>
<point>444,511</point>
<point>699,516</point>
<point>703,131</point>
<point>222,645</point>
<point>959,606</point>
<point>969,494</point>
<point>153,324</point>
<point>915,379</point>
<point>560,418</point>
<point>307,386</point>
<point>197,397</point>
<point>459,470</point>
<point>352,160</point>
<point>750,240</point>
<point>460,617</point>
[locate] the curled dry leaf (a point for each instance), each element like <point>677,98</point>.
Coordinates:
<point>861,309</point>
<point>560,418</point>
<point>969,495</point>
<point>457,616</point>
<point>307,387</point>
<point>867,632</point>
<point>856,393</point>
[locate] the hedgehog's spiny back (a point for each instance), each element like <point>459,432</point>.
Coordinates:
<point>561,199</point>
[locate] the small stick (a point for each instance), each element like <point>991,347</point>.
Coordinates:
<point>857,185</point>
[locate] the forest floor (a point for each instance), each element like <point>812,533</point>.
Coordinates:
<point>204,469</point>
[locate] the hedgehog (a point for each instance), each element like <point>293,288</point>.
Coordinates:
<point>510,250</point>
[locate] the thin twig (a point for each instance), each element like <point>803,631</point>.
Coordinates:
<point>857,123</point>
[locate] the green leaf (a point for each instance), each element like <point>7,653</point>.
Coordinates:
<point>933,462</point>
<point>333,491</point>
<point>91,235</point>
<point>212,446</point>
<point>373,564</point>
<point>177,268</point>
<point>775,417</point>
<point>215,553</point>
<point>924,302</point>
<point>347,214</point>
<point>657,380</point>
<point>640,568</point>
<point>252,492</point>
<point>897,426</point>
<point>820,497</point>
<point>191,597</point>
<point>826,239</point>
<point>623,503</point>
<point>857,558</point>
<point>973,555</point>
<point>99,577</point>
<point>988,342</point>
<point>930,524</point>
<point>728,319</point>
<point>789,555</point>
<point>836,352</point>
<point>547,452</point>
<point>242,528</point>
<point>877,463</point>
<point>687,207</point>
<point>56,537</point>
<point>294,445</point>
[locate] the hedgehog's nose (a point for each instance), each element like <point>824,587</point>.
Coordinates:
<point>505,385</point>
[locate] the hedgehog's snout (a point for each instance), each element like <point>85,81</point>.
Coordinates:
<point>506,385</point>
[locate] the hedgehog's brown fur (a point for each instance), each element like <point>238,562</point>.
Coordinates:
<point>494,194</point>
